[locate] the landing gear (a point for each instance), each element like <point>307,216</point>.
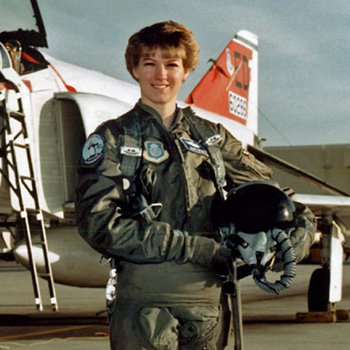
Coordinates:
<point>325,287</point>
<point>318,294</point>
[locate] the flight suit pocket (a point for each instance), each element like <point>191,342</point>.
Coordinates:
<point>159,327</point>
<point>199,327</point>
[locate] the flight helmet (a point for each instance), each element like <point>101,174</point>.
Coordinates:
<point>259,206</point>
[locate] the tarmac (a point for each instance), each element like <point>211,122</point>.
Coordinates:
<point>81,322</point>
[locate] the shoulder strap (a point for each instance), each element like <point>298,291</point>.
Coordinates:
<point>131,149</point>
<point>210,141</point>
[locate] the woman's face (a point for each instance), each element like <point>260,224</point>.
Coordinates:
<point>160,74</point>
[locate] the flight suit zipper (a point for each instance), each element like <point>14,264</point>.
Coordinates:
<point>175,151</point>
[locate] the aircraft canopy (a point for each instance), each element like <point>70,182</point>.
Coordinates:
<point>21,20</point>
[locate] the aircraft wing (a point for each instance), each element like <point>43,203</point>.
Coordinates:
<point>324,203</point>
<point>292,169</point>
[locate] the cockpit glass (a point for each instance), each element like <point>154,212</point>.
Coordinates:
<point>24,16</point>
<point>21,20</point>
<point>5,61</point>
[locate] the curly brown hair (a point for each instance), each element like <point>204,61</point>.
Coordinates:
<point>169,36</point>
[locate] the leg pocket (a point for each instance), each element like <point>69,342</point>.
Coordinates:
<point>159,328</point>
<point>200,327</point>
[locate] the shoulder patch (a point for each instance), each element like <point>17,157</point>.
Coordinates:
<point>93,149</point>
<point>193,146</point>
<point>155,152</point>
<point>213,140</point>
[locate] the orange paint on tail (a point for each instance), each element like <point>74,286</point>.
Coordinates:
<point>225,87</point>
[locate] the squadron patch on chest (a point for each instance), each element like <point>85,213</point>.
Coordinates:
<point>93,149</point>
<point>154,152</point>
<point>193,146</point>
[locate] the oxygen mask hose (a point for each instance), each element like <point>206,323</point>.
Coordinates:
<point>259,249</point>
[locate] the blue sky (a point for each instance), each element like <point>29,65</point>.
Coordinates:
<point>304,53</point>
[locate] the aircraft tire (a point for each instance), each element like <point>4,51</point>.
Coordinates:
<point>318,293</point>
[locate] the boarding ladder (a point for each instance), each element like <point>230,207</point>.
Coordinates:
<point>20,176</point>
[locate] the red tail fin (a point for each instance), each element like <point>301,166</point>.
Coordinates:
<point>229,88</point>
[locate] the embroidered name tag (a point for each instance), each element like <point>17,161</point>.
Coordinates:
<point>154,152</point>
<point>193,146</point>
<point>131,151</point>
<point>93,149</point>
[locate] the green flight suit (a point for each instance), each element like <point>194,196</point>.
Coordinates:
<point>168,295</point>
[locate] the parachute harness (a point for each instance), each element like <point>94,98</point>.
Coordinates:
<point>260,248</point>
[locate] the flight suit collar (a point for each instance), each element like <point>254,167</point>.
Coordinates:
<point>149,110</point>
<point>178,119</point>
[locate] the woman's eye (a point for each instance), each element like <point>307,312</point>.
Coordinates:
<point>174,64</point>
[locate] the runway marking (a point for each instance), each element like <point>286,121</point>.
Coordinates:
<point>61,330</point>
